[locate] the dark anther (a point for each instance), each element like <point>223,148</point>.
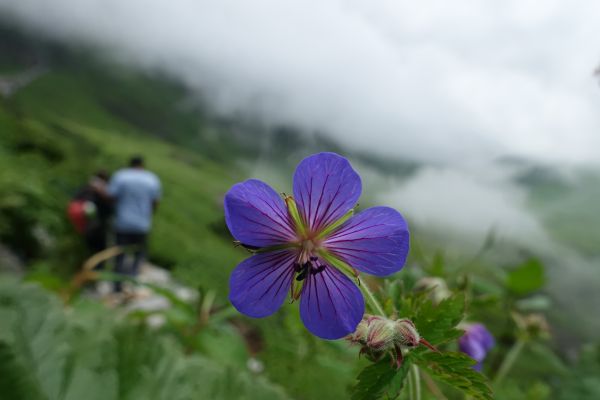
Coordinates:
<point>302,275</point>
<point>313,258</point>
<point>302,270</point>
<point>318,270</point>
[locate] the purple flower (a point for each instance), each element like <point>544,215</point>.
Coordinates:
<point>476,343</point>
<point>310,245</point>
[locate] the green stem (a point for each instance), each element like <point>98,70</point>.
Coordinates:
<point>375,306</point>
<point>414,383</point>
<point>509,360</point>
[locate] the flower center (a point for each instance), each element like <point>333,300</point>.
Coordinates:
<point>308,250</point>
<point>306,264</point>
<point>308,246</point>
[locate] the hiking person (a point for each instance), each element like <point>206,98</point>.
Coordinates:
<point>90,212</point>
<point>135,192</point>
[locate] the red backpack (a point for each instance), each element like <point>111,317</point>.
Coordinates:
<point>77,214</point>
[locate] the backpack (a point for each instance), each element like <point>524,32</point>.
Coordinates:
<point>80,213</point>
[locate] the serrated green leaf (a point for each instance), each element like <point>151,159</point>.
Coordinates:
<point>380,379</point>
<point>455,369</point>
<point>436,323</point>
<point>526,278</point>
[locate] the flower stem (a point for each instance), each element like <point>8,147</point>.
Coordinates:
<point>509,360</point>
<point>375,306</point>
<point>433,388</point>
<point>414,383</point>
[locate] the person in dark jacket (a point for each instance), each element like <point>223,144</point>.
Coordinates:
<point>98,212</point>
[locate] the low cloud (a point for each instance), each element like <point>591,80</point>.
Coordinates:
<point>428,80</point>
<point>467,203</point>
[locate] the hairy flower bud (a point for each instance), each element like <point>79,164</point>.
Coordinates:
<point>407,333</point>
<point>379,336</point>
<point>360,334</point>
<point>382,334</point>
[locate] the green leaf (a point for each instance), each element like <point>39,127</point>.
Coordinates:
<point>16,382</point>
<point>90,353</point>
<point>526,278</point>
<point>455,369</point>
<point>380,379</point>
<point>436,323</point>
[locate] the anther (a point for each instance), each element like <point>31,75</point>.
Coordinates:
<point>318,270</point>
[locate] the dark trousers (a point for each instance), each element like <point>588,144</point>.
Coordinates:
<point>95,240</point>
<point>135,244</point>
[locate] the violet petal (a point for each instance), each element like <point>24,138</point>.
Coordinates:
<point>256,215</point>
<point>258,285</point>
<point>325,188</point>
<point>375,241</point>
<point>331,305</point>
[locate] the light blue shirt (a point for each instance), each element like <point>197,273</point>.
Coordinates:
<point>134,190</point>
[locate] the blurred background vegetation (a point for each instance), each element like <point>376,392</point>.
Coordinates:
<point>66,112</point>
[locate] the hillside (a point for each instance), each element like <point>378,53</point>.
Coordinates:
<point>81,116</point>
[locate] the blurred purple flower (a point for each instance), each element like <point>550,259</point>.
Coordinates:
<point>310,243</point>
<point>476,343</point>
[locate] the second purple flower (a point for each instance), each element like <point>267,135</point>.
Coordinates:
<point>476,343</point>
<point>309,245</point>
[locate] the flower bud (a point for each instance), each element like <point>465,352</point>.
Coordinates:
<point>534,325</point>
<point>407,334</point>
<point>379,336</point>
<point>382,334</point>
<point>361,332</point>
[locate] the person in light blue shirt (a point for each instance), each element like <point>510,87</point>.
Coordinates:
<point>136,193</point>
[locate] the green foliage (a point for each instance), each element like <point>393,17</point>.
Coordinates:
<point>583,380</point>
<point>15,380</point>
<point>46,353</point>
<point>526,278</point>
<point>436,323</point>
<point>380,379</point>
<point>455,369</point>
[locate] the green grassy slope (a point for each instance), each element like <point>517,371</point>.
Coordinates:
<point>69,135</point>
<point>59,130</point>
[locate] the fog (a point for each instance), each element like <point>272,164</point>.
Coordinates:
<point>424,80</point>
<point>473,204</point>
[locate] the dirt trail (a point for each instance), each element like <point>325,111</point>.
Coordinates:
<point>141,296</point>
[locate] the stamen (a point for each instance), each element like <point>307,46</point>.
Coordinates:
<point>301,276</point>
<point>303,271</point>
<point>318,270</point>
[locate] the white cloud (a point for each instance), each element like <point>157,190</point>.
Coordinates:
<point>470,201</point>
<point>432,79</point>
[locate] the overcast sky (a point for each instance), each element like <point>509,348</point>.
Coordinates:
<point>436,80</point>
